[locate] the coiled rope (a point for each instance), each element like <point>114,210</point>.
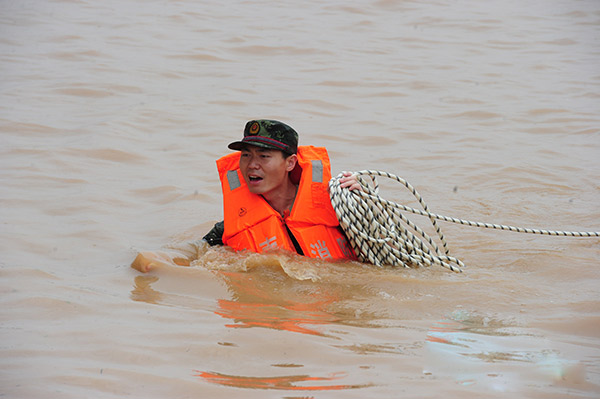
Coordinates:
<point>380,234</point>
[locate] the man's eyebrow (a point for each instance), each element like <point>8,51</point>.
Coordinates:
<point>259,149</point>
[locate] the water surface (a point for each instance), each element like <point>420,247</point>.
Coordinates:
<point>111,117</point>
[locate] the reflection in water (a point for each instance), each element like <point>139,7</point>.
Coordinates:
<point>274,291</point>
<point>266,296</point>
<point>272,316</point>
<point>142,290</point>
<point>260,302</point>
<point>279,382</point>
<point>465,348</point>
<point>475,349</point>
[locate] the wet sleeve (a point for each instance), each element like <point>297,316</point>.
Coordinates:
<point>215,235</point>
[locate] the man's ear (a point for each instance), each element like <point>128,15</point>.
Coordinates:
<point>290,162</point>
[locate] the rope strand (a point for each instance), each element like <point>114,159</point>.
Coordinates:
<point>380,234</point>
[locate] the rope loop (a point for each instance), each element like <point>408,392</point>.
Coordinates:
<point>380,234</point>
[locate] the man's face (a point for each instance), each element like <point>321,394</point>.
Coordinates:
<point>265,170</point>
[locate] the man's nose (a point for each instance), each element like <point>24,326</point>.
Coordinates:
<point>253,164</point>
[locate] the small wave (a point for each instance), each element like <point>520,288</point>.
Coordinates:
<point>84,92</point>
<point>107,154</point>
<point>295,266</point>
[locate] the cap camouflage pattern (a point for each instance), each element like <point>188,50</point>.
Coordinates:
<point>268,134</point>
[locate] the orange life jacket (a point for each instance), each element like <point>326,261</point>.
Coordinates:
<point>251,223</point>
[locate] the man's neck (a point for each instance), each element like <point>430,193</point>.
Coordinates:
<point>283,199</point>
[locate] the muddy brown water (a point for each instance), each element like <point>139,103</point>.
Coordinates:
<point>112,114</point>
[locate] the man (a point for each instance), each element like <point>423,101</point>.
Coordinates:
<point>275,195</point>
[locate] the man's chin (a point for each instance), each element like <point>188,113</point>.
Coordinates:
<point>255,189</point>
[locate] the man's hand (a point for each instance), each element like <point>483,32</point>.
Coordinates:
<point>146,261</point>
<point>142,263</point>
<point>350,181</point>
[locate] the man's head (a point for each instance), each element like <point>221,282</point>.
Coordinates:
<point>268,156</point>
<point>270,134</point>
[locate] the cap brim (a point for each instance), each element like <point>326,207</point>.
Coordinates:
<point>239,145</point>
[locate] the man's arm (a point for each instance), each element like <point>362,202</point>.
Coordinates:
<point>215,235</point>
<point>180,254</point>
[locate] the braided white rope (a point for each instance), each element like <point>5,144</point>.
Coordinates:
<point>381,235</point>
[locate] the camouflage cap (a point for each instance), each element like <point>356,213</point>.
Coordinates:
<point>268,134</point>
